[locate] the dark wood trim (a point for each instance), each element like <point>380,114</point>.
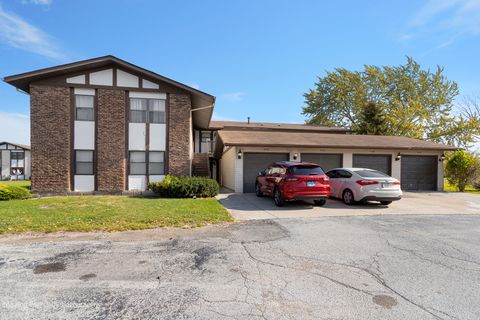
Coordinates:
<point>72,139</point>
<point>87,78</point>
<point>127,127</point>
<point>95,147</point>
<point>114,77</point>
<point>147,145</point>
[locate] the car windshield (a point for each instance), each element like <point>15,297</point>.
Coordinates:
<point>306,170</point>
<point>371,174</point>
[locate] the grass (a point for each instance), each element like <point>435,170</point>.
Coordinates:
<point>107,213</point>
<point>20,183</point>
<point>450,188</point>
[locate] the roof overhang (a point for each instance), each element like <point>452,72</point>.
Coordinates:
<point>200,99</point>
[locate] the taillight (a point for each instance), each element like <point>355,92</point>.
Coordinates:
<point>396,182</point>
<point>366,182</point>
<point>326,178</point>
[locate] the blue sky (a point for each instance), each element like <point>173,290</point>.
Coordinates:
<point>256,57</point>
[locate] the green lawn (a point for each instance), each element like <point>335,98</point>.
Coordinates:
<point>450,188</point>
<point>107,213</point>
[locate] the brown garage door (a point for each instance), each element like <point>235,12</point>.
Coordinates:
<point>380,162</point>
<point>419,172</point>
<point>255,162</point>
<point>326,160</point>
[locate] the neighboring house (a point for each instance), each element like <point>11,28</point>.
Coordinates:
<point>15,161</point>
<point>107,125</point>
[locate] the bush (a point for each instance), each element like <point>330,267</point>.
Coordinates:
<point>462,169</point>
<point>11,192</point>
<point>185,187</point>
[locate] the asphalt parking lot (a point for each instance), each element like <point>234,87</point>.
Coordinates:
<point>247,206</point>
<point>349,267</point>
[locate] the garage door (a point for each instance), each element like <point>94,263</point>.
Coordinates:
<point>255,162</point>
<point>380,162</point>
<point>419,173</point>
<point>326,160</point>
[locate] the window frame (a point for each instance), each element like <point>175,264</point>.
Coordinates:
<point>12,167</point>
<point>85,108</point>
<point>155,162</point>
<point>75,162</point>
<point>145,162</point>
<point>148,112</point>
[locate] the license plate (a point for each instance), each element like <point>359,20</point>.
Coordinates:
<point>387,185</point>
<point>310,183</point>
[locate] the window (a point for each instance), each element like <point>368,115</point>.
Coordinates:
<point>306,170</point>
<point>206,136</point>
<point>371,174</point>
<point>17,162</point>
<point>137,161</point>
<point>156,162</point>
<point>84,162</point>
<point>147,110</point>
<point>344,174</point>
<point>84,108</point>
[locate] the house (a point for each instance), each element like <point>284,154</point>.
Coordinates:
<point>107,125</point>
<point>15,160</point>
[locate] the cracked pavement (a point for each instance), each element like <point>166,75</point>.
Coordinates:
<point>365,267</point>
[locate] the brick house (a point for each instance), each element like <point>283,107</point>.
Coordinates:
<point>107,125</point>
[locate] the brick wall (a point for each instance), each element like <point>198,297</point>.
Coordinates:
<point>50,115</point>
<point>179,134</point>
<point>111,160</point>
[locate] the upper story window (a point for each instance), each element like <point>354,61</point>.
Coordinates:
<point>17,162</point>
<point>84,108</point>
<point>147,110</point>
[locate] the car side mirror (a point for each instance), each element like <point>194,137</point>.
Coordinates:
<point>261,173</point>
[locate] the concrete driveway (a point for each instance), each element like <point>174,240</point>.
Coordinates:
<point>357,267</point>
<point>247,206</point>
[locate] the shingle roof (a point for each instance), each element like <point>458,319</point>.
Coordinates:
<point>324,140</point>
<point>23,146</point>
<point>239,125</point>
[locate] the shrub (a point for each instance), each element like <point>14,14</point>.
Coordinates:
<point>11,192</point>
<point>462,169</point>
<point>185,187</point>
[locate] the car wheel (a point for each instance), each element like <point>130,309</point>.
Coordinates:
<point>348,197</point>
<point>277,198</point>
<point>257,190</point>
<point>320,202</point>
<point>385,203</point>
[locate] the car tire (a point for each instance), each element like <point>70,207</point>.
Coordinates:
<point>347,197</point>
<point>278,198</point>
<point>258,192</point>
<point>320,202</point>
<point>385,203</point>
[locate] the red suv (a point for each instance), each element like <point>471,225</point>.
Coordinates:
<point>288,181</point>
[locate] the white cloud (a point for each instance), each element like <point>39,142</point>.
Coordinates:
<point>15,127</point>
<point>19,34</point>
<point>233,96</point>
<point>40,2</point>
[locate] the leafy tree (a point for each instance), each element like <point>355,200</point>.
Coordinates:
<point>416,103</point>
<point>462,169</point>
<point>372,120</point>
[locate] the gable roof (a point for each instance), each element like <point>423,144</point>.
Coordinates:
<point>23,146</point>
<point>239,125</point>
<point>200,100</point>
<point>322,140</point>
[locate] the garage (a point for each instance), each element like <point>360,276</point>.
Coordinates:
<point>255,162</point>
<point>326,160</point>
<point>419,173</point>
<point>380,162</point>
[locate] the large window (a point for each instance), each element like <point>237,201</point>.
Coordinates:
<point>84,162</point>
<point>17,163</point>
<point>84,108</point>
<point>156,162</point>
<point>147,110</point>
<point>138,162</point>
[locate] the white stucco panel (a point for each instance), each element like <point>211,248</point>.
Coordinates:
<point>148,95</point>
<point>77,79</point>
<point>103,78</point>
<point>5,163</point>
<point>149,85</point>
<point>156,178</point>
<point>158,136</point>
<point>125,79</point>
<point>84,183</point>
<point>136,136</point>
<point>84,135</point>
<point>138,183</point>
<point>85,92</point>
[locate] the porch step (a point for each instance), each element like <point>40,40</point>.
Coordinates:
<point>201,165</point>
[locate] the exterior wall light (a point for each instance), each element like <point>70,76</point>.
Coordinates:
<point>295,156</point>
<point>441,158</point>
<point>398,157</point>
<point>239,154</point>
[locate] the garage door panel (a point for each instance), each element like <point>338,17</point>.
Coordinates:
<point>326,160</point>
<point>380,162</point>
<point>255,162</point>
<point>419,173</point>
